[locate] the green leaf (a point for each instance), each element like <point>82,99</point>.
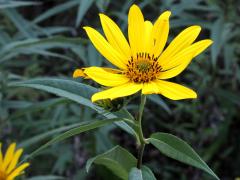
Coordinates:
<point>56,10</point>
<point>73,90</point>
<point>102,5</point>
<point>178,149</point>
<point>117,159</point>
<point>82,128</point>
<point>159,101</point>
<point>216,36</point>
<point>228,95</point>
<point>46,177</point>
<point>135,174</point>
<point>28,107</point>
<point>18,20</point>
<point>141,174</point>
<point>14,4</point>
<point>83,7</point>
<point>39,46</point>
<point>47,134</point>
<point>43,43</point>
<point>147,173</point>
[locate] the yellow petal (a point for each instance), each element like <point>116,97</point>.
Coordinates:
<point>172,72</point>
<point>135,30</point>
<point>179,62</point>
<point>115,36</point>
<point>183,40</point>
<point>111,70</point>
<point>1,156</point>
<point>118,91</point>
<point>148,41</point>
<point>150,88</point>
<point>160,32</point>
<point>9,155</point>
<point>199,47</point>
<point>14,161</point>
<point>79,73</point>
<point>105,48</point>
<point>192,51</point>
<point>18,171</point>
<point>175,91</point>
<point>104,77</point>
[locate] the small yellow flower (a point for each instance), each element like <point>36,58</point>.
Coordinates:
<point>143,63</point>
<point>8,163</point>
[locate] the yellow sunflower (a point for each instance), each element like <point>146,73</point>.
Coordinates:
<point>143,62</point>
<point>8,163</point>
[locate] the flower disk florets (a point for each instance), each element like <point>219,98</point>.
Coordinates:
<point>3,176</point>
<point>143,68</point>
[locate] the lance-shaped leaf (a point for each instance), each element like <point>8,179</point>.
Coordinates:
<point>178,149</point>
<point>75,91</point>
<point>87,126</point>
<point>141,174</point>
<point>117,159</point>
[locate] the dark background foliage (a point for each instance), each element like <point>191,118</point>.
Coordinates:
<point>45,39</point>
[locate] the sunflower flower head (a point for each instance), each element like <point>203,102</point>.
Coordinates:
<point>9,169</point>
<point>143,62</point>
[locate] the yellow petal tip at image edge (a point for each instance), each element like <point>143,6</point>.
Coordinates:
<point>9,168</point>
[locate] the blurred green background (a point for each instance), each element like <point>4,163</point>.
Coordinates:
<point>45,39</point>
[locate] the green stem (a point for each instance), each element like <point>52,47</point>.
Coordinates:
<point>141,137</point>
<point>140,155</point>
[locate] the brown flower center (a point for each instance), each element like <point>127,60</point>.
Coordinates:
<point>3,175</point>
<point>144,68</point>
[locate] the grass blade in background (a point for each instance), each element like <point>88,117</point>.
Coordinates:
<point>83,7</point>
<point>13,4</point>
<point>56,10</point>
